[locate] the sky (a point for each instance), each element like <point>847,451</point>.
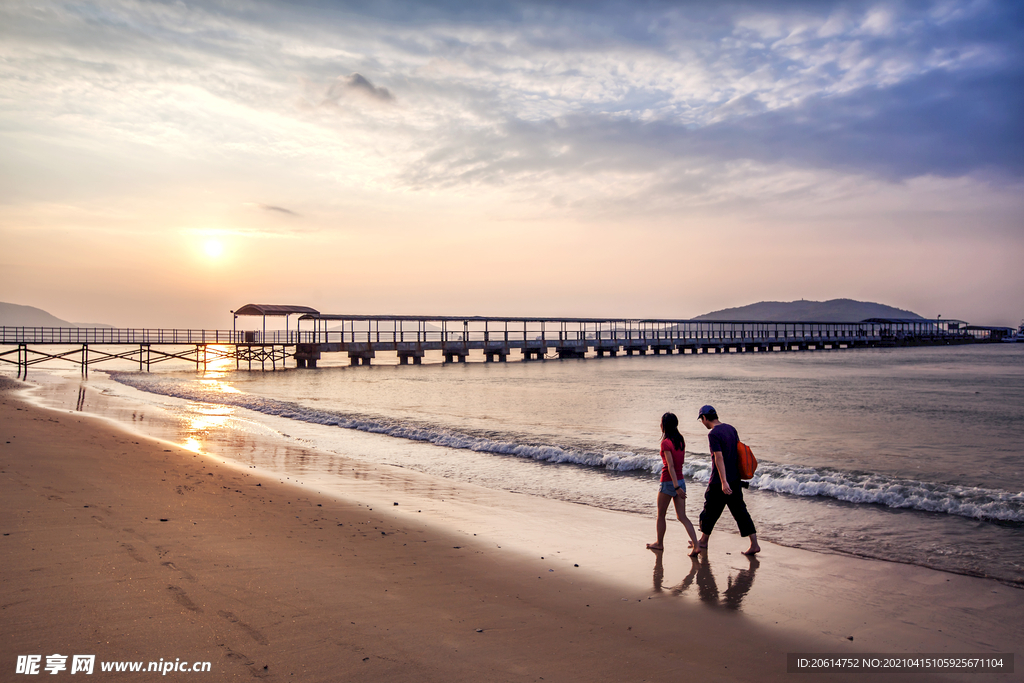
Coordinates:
<point>163,163</point>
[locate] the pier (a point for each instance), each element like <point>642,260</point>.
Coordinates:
<point>496,338</point>
<point>458,339</point>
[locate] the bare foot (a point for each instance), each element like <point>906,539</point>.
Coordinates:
<point>700,545</point>
<point>655,546</point>
<point>754,549</point>
<point>695,552</point>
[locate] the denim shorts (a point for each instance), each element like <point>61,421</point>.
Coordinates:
<point>669,490</point>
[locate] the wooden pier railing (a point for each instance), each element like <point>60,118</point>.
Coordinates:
<point>108,335</point>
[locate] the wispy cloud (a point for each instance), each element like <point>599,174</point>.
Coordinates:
<point>897,90</point>
<point>277,209</point>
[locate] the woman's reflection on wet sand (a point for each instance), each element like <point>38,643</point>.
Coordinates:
<point>738,584</point>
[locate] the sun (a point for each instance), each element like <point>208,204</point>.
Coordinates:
<point>214,249</point>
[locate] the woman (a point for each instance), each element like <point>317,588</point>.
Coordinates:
<point>672,485</point>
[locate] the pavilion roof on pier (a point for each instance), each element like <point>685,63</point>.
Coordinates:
<point>274,310</point>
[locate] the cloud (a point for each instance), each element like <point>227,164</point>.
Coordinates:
<point>356,84</point>
<point>533,93</point>
<point>278,209</point>
<point>939,124</point>
<point>889,92</point>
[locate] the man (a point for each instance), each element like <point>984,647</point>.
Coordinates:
<point>725,486</point>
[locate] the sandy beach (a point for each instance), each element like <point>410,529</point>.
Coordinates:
<point>134,549</point>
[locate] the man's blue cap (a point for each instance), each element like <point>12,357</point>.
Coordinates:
<point>706,410</point>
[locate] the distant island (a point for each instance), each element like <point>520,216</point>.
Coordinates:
<point>15,315</point>
<point>834,310</point>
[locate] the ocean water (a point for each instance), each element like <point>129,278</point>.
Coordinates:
<point>907,455</point>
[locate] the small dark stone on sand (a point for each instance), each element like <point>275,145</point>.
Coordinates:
<point>163,519</point>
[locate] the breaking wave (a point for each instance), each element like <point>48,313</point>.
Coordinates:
<point>880,489</point>
<point>851,487</point>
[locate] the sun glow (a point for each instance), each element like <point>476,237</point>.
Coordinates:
<point>214,249</point>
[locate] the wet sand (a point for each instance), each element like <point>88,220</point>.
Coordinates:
<point>131,548</point>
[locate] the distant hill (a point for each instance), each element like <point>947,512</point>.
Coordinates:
<point>835,310</point>
<point>14,315</point>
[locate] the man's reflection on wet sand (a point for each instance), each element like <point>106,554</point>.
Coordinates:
<point>738,583</point>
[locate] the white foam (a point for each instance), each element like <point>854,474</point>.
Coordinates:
<point>852,487</point>
<point>964,501</point>
<point>622,461</point>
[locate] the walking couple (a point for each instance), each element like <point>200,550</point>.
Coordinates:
<point>724,488</point>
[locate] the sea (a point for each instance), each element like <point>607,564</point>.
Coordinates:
<point>910,455</point>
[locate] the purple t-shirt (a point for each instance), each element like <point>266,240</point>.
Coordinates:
<point>724,438</point>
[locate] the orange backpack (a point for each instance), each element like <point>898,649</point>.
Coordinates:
<point>746,463</point>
